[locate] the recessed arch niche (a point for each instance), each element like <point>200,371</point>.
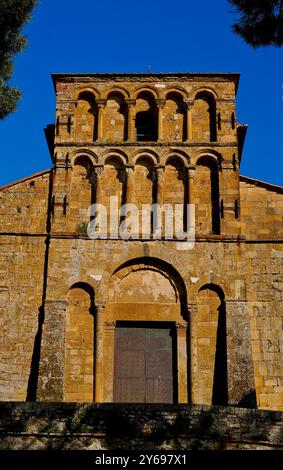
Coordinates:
<point>147,291</point>
<point>79,344</point>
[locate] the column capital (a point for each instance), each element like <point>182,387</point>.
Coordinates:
<point>98,170</point>
<point>109,325</point>
<point>181,325</point>
<point>100,305</point>
<point>160,170</point>
<point>191,171</point>
<point>160,102</point>
<point>129,170</point>
<point>130,101</point>
<point>227,164</point>
<point>101,103</point>
<point>189,102</point>
<point>192,308</point>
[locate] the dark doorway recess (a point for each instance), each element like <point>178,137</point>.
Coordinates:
<point>145,367</point>
<point>146,127</point>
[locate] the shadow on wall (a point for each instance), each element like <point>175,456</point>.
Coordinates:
<point>220,379</point>
<point>248,400</point>
<point>35,360</point>
<point>66,426</point>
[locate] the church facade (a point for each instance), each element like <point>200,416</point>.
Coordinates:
<point>143,318</point>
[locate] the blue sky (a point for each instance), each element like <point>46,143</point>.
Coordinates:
<point>128,36</point>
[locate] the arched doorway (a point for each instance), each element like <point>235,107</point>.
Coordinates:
<point>147,354</point>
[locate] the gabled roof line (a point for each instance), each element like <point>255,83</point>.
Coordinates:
<point>264,184</point>
<point>34,175</point>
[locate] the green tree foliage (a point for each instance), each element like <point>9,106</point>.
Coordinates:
<point>13,16</point>
<point>259,22</point>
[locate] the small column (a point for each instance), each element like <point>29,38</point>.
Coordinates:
<point>131,136</point>
<point>189,104</point>
<point>98,353</point>
<point>97,181</point>
<point>128,198</point>
<point>96,214</point>
<point>101,107</point>
<point>108,367</point>
<point>160,104</point>
<point>193,380</point>
<point>190,196</point>
<point>129,185</point>
<point>159,201</point>
<point>182,361</point>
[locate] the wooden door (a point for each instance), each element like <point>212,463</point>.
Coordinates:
<point>144,361</point>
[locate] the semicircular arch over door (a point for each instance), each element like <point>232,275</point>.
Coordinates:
<point>149,343</point>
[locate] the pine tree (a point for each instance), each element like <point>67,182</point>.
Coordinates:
<point>13,16</point>
<point>260,22</point>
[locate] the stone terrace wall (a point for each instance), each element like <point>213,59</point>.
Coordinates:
<point>180,427</point>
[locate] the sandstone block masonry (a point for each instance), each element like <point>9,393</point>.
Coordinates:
<point>207,322</point>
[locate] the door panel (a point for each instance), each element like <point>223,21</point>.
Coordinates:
<point>130,338</point>
<point>143,369</point>
<point>129,367</point>
<point>130,363</point>
<point>129,390</point>
<point>158,338</point>
<point>159,391</point>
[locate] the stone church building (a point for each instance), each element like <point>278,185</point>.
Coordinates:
<point>143,320</point>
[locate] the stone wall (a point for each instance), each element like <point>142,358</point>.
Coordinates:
<point>61,293</point>
<point>261,209</point>
<point>26,426</point>
<point>24,218</point>
<point>24,205</point>
<point>249,274</point>
<point>22,261</point>
<point>265,293</point>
